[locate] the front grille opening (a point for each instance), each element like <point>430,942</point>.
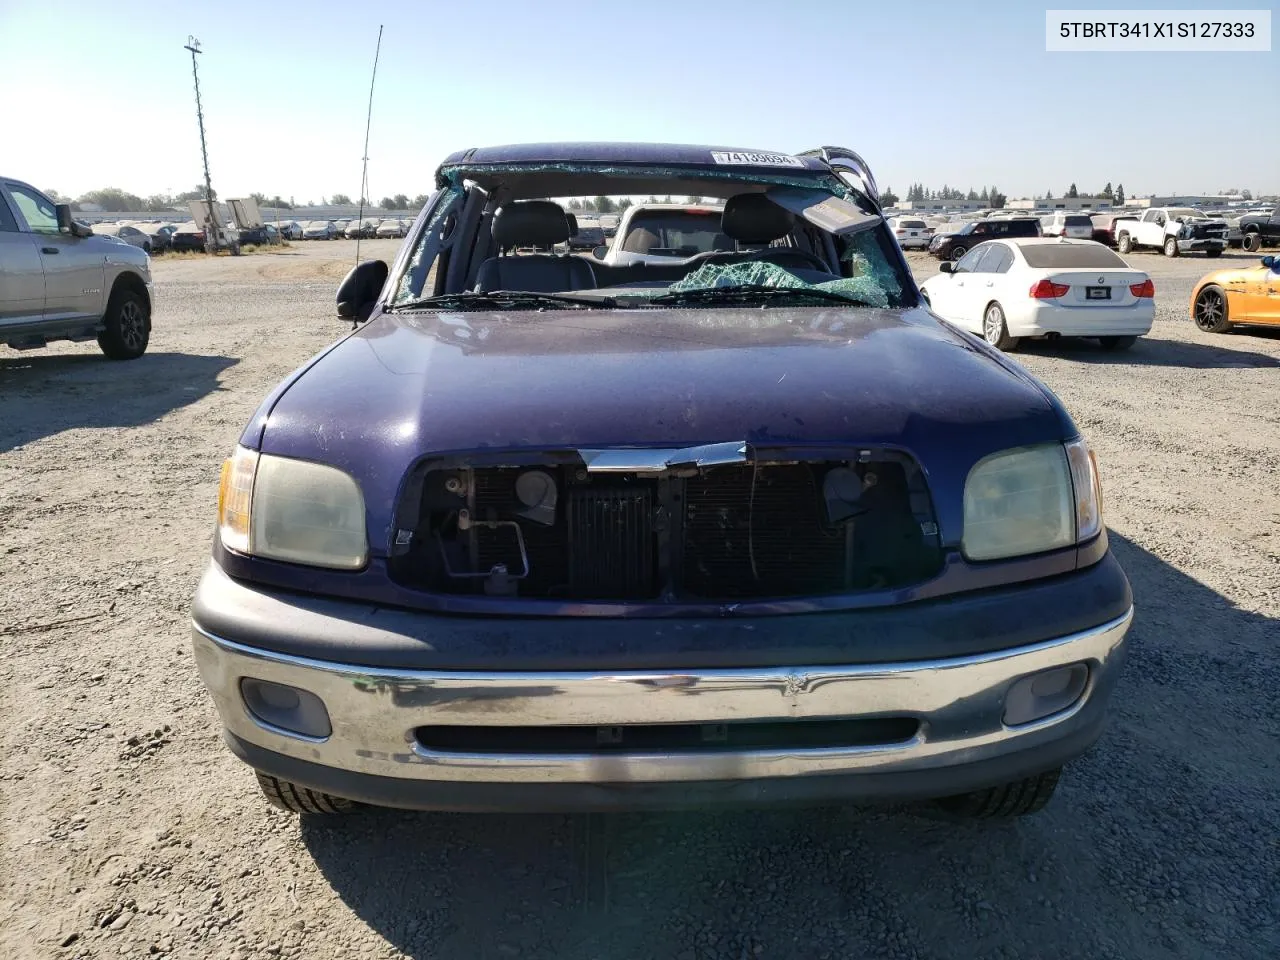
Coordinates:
<point>730,532</point>
<point>674,737</point>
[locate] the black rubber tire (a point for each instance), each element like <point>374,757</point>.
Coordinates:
<point>1117,343</point>
<point>126,326</point>
<point>1213,253</point>
<point>956,253</point>
<point>1001,339</point>
<point>1017,799</point>
<point>1206,318</point>
<point>287,795</point>
<point>1170,247</point>
<point>1251,241</point>
<point>1125,243</point>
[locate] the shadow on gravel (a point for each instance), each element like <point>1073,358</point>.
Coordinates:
<point>1152,352</point>
<point>44,394</point>
<point>1151,848</point>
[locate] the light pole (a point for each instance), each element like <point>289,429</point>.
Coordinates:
<point>194,46</point>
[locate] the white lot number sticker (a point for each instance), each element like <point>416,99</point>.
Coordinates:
<point>757,159</point>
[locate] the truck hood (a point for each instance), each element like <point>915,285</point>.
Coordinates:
<point>409,384</point>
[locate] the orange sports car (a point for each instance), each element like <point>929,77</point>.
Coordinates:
<point>1240,295</point>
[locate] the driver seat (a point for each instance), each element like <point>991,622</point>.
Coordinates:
<point>533,223</point>
<point>755,220</point>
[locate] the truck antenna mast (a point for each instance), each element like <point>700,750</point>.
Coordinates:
<point>368,121</point>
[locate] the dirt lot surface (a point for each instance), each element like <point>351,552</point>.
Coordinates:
<point>129,831</point>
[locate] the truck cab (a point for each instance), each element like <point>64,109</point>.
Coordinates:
<point>1174,230</point>
<point>60,281</point>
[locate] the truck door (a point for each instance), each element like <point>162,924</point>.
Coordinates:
<point>73,266</point>
<point>21,275</point>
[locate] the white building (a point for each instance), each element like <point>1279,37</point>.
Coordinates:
<point>938,206</point>
<point>1041,205</point>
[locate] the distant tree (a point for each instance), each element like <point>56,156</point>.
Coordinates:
<point>1072,192</point>
<point>1119,201</point>
<point>400,200</point>
<point>1246,194</point>
<point>652,199</point>
<point>340,199</point>
<point>1048,194</point>
<point>420,201</point>
<point>159,202</point>
<point>575,204</point>
<point>996,199</point>
<point>280,203</point>
<point>196,193</point>
<point>386,203</point>
<point>114,199</point>
<point>588,205</point>
<point>692,200</point>
<point>604,205</point>
<point>973,194</point>
<point>1107,192</point>
<point>888,198</point>
<point>56,197</point>
<point>986,194</point>
<point>623,204</point>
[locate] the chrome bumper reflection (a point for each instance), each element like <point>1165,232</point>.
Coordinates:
<point>375,712</point>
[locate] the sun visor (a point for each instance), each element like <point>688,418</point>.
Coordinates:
<point>833,214</point>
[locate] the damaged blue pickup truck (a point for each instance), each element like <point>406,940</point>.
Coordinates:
<point>741,523</point>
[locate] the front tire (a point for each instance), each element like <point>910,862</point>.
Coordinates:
<point>1211,313</point>
<point>995,331</point>
<point>1126,243</point>
<point>957,253</point>
<point>1117,343</point>
<point>1171,247</point>
<point>294,798</point>
<point>126,326</point>
<point>1017,799</point>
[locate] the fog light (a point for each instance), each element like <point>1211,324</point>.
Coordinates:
<point>290,709</point>
<point>1043,694</point>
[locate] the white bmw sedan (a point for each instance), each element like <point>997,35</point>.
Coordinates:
<point>1004,290</point>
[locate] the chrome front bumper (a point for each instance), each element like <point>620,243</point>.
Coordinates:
<point>374,713</point>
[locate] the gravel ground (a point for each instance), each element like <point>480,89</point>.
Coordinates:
<point>129,830</point>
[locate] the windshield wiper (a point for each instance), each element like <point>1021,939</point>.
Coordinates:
<point>504,300</point>
<point>751,295</point>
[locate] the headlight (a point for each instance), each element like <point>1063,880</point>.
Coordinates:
<point>1031,499</point>
<point>292,510</point>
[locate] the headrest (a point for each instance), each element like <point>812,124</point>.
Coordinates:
<point>530,223</point>
<point>754,218</point>
<point>573,224</point>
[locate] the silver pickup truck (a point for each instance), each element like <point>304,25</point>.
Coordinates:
<point>60,281</point>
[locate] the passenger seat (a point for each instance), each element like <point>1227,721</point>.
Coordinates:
<point>533,223</point>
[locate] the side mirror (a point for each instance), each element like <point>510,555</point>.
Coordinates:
<point>946,266</point>
<point>599,252</point>
<point>360,288</point>
<point>67,225</point>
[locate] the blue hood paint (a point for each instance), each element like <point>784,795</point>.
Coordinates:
<point>411,384</point>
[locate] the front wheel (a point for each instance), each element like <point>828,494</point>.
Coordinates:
<point>1171,247</point>
<point>1126,243</point>
<point>1117,343</point>
<point>126,326</point>
<point>295,798</point>
<point>1210,312</point>
<point>1017,799</point>
<point>957,253</point>
<point>995,331</point>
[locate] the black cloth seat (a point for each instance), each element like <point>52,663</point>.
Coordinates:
<point>755,220</point>
<point>533,223</point>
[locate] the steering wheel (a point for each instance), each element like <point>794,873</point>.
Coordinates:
<point>816,262</point>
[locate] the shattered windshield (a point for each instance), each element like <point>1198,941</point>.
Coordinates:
<point>514,243</point>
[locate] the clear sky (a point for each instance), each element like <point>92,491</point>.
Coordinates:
<point>99,94</point>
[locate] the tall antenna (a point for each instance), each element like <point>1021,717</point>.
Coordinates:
<point>368,121</point>
<point>194,46</point>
